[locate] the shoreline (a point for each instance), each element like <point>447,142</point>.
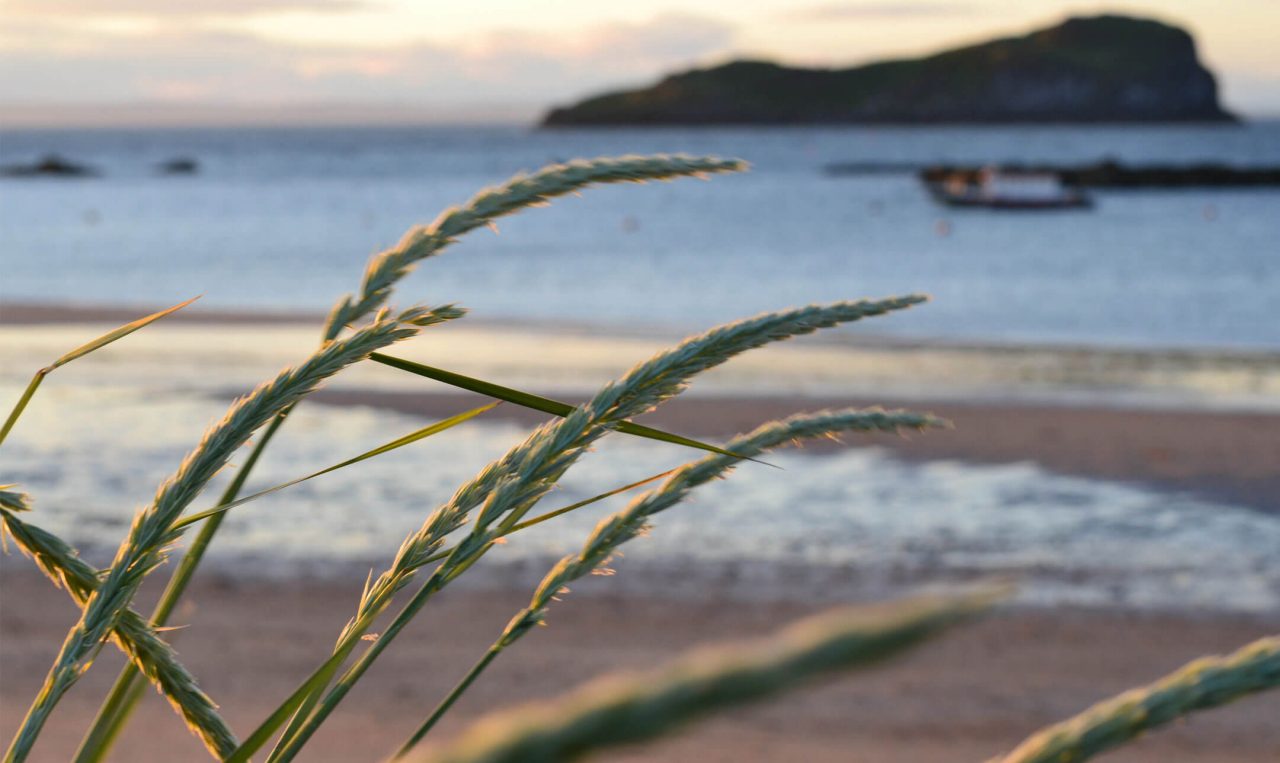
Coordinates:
<point>970,694</point>
<point>40,313</point>
<point>1218,455</point>
<point>570,358</point>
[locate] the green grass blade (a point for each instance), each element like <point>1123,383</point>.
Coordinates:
<point>21,405</point>
<point>526,399</point>
<point>574,506</point>
<point>117,708</point>
<point>515,528</point>
<point>400,442</point>
<point>261,735</point>
<point>617,530</point>
<point>118,333</point>
<point>287,746</point>
<point>151,535</point>
<point>80,352</point>
<point>136,637</point>
<point>511,485</point>
<point>120,706</point>
<point>532,401</point>
<point>318,681</point>
<point>448,702</point>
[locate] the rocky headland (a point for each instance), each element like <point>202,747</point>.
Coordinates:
<point>1098,69</point>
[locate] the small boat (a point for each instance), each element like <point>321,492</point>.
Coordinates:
<point>1003,189</point>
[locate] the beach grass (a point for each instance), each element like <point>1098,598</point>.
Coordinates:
<point>1204,683</point>
<point>503,499</point>
<point>625,709</point>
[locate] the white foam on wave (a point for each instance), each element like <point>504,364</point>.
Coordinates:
<point>861,518</point>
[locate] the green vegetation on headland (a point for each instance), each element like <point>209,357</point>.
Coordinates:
<point>1094,69</point>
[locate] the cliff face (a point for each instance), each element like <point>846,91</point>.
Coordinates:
<point>1096,69</point>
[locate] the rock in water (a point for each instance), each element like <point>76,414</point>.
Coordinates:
<point>181,165</point>
<point>51,165</point>
<point>1094,69</point>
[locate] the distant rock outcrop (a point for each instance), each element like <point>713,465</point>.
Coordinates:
<point>49,166</point>
<point>1095,69</point>
<point>180,165</point>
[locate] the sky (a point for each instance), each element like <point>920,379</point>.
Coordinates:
<point>72,62</point>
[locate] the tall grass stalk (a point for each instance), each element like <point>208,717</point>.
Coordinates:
<point>508,488</point>
<point>101,736</point>
<point>1201,684</point>
<point>151,532</point>
<point>127,690</point>
<point>151,655</point>
<point>532,401</point>
<point>79,352</point>
<point>25,398</point>
<point>629,709</point>
<point>616,530</point>
<point>381,274</point>
<point>60,562</point>
<point>520,192</point>
<point>415,436</point>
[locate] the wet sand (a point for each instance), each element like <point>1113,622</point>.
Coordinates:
<point>42,313</point>
<point>964,697</point>
<point>1217,454</point>
<point>1230,457</point>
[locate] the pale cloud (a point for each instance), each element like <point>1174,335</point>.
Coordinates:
<point>108,68</point>
<point>93,9</point>
<point>195,64</point>
<point>666,37</point>
<point>372,57</point>
<point>905,9</point>
<point>617,50</point>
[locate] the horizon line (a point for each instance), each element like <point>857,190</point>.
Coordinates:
<point>158,114</point>
<point>151,115</point>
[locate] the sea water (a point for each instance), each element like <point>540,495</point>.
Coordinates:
<point>285,218</point>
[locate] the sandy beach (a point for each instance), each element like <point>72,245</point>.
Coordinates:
<point>966,697</point>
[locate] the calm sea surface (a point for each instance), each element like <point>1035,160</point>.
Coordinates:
<point>285,218</point>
